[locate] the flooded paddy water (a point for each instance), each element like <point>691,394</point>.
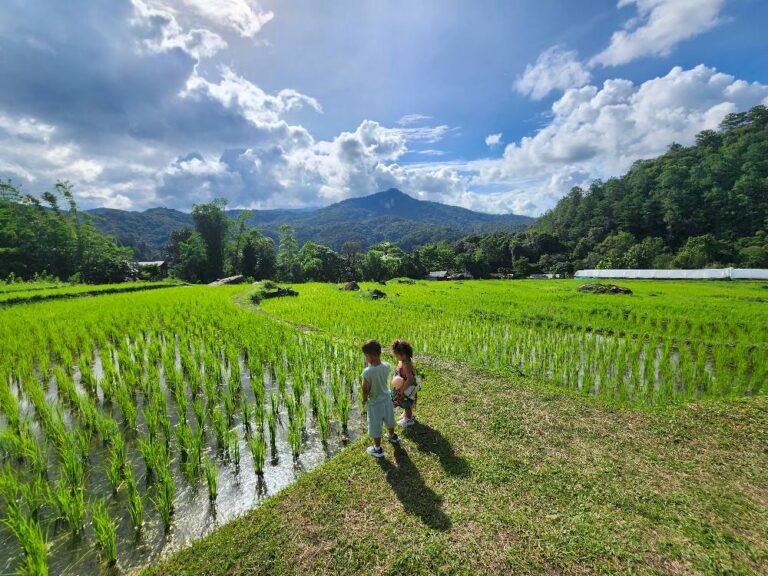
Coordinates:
<point>240,488</point>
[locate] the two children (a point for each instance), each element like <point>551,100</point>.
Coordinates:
<point>380,401</point>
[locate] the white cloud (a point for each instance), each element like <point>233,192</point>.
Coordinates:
<point>555,69</point>
<point>410,119</point>
<point>658,27</point>
<point>598,132</point>
<point>493,140</point>
<point>255,105</point>
<point>26,128</point>
<point>242,16</point>
<point>161,32</point>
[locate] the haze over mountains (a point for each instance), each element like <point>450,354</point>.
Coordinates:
<point>389,215</point>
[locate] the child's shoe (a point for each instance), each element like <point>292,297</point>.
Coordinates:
<point>405,422</point>
<point>376,451</point>
<point>394,438</point>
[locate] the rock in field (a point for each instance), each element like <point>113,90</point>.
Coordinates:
<point>604,289</point>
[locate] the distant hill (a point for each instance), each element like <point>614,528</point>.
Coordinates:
<point>704,205</point>
<point>390,215</point>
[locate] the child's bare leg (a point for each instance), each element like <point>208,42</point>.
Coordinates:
<point>377,441</point>
<point>391,431</point>
<point>409,413</point>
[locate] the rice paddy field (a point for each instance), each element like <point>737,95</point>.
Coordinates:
<point>187,430</point>
<point>665,343</point>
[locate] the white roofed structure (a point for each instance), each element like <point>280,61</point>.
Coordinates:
<point>699,274</point>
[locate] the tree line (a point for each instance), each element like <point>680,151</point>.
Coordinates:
<point>40,237</point>
<point>705,205</point>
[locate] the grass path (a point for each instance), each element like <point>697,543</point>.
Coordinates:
<point>504,475</point>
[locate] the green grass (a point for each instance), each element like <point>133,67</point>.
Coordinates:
<point>510,476</point>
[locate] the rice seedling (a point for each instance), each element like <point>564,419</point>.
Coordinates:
<point>36,493</point>
<point>70,504</point>
<point>323,419</point>
<point>105,532</point>
<point>233,442</point>
<point>258,447</point>
<point>219,427</point>
<point>343,408</point>
<point>199,409</point>
<point>163,500</point>
<point>31,539</point>
<point>245,410</point>
<point>272,426</point>
<point>114,472</point>
<point>294,437</point>
<point>135,505</point>
<point>211,476</point>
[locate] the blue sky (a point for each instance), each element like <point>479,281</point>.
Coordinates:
<point>497,106</point>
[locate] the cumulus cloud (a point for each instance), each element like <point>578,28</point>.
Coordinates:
<point>243,16</point>
<point>658,27</point>
<point>353,163</point>
<point>493,140</point>
<point>159,31</point>
<point>555,69</point>
<point>598,132</point>
<point>236,93</point>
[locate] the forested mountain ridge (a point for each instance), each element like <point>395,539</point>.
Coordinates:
<point>702,205</point>
<point>390,216</point>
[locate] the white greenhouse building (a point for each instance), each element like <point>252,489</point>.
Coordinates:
<point>701,274</point>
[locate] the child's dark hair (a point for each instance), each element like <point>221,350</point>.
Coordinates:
<point>404,347</point>
<point>372,347</point>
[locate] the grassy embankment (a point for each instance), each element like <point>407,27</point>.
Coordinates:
<point>505,474</point>
<point>38,294</point>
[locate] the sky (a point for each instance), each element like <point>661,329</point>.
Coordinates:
<point>493,105</point>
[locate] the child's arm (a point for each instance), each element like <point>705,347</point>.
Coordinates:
<point>410,377</point>
<point>366,390</point>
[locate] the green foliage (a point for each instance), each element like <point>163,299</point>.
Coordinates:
<point>38,237</point>
<point>288,266</point>
<point>713,194</point>
<point>212,225</point>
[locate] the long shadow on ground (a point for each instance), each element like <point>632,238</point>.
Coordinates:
<point>427,439</point>
<point>415,496</point>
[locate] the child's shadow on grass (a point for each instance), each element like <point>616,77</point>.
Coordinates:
<point>415,496</point>
<point>427,439</point>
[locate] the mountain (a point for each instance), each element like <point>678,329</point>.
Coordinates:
<point>146,232</point>
<point>390,215</point>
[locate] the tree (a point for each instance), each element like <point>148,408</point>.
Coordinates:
<point>320,264</point>
<point>193,259</point>
<point>350,251</point>
<point>288,269</point>
<point>36,240</point>
<point>212,224</point>
<point>699,252</point>
<point>611,253</point>
<point>172,250</point>
<point>648,253</point>
<point>257,259</point>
